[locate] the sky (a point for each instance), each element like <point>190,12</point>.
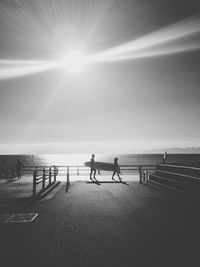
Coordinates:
<point>140,90</point>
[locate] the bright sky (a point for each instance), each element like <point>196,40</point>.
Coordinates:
<point>139,91</point>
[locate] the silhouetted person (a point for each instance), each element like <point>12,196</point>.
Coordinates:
<point>116,169</point>
<point>164,157</point>
<point>19,166</point>
<point>3,168</point>
<point>93,170</point>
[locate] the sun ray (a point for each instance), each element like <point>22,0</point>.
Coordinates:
<point>166,41</point>
<point>15,68</point>
<point>40,114</point>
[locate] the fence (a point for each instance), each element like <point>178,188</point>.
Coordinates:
<point>46,177</point>
<point>143,170</point>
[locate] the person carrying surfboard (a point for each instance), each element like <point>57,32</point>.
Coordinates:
<point>92,167</point>
<point>116,169</point>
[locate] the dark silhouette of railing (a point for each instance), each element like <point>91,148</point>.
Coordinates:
<point>47,175</point>
<point>68,181</point>
<point>183,179</point>
<point>143,170</point>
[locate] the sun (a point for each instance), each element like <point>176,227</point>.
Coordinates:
<point>75,61</point>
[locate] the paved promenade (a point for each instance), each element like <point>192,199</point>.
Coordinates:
<point>15,194</point>
<point>110,224</point>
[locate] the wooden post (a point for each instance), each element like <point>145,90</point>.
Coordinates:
<point>43,179</point>
<point>54,173</point>
<point>50,176</point>
<point>140,173</point>
<point>34,182</point>
<point>78,171</point>
<point>67,182</point>
<point>147,176</point>
<point>144,176</point>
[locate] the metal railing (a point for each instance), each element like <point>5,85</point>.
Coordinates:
<point>142,170</point>
<point>45,176</point>
<point>40,176</point>
<point>178,169</point>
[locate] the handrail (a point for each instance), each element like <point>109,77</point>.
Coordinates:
<point>41,175</point>
<point>180,174</point>
<point>192,171</point>
<point>180,166</point>
<point>64,166</point>
<point>81,168</point>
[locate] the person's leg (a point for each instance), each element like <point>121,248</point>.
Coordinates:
<point>94,173</point>
<point>118,176</point>
<point>91,171</point>
<point>113,175</point>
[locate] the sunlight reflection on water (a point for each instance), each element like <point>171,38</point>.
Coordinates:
<point>78,160</point>
<point>65,159</point>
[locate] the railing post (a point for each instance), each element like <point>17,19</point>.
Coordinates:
<point>147,176</point>
<point>78,171</point>
<point>43,179</point>
<point>34,182</point>
<point>56,170</point>
<point>140,173</point>
<point>144,176</point>
<point>67,182</point>
<point>54,173</point>
<point>50,176</point>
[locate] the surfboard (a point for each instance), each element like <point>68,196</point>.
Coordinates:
<point>104,166</point>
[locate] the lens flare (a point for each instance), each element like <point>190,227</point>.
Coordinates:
<point>17,68</point>
<point>177,38</point>
<point>75,61</point>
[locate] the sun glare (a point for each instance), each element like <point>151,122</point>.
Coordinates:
<point>75,61</point>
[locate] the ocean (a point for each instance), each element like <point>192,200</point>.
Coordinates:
<point>79,159</point>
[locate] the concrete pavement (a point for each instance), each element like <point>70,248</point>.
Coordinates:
<point>109,225</point>
<point>15,194</point>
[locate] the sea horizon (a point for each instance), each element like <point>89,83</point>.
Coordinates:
<point>78,159</point>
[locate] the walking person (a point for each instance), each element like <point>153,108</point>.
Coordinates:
<point>3,169</point>
<point>19,166</point>
<point>116,169</point>
<point>93,170</point>
<point>164,157</point>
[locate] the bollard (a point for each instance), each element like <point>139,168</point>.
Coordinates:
<point>34,182</point>
<point>43,179</point>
